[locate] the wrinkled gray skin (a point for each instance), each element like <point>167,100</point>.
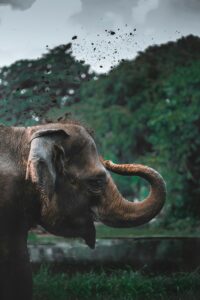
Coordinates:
<point>52,175</point>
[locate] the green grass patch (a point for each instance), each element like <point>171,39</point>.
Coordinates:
<point>103,231</point>
<point>34,238</point>
<point>144,231</point>
<point>121,285</point>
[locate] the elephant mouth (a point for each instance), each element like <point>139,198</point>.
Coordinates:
<point>81,228</point>
<point>90,236</point>
<point>88,230</point>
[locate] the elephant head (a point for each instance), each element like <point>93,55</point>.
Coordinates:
<point>75,187</point>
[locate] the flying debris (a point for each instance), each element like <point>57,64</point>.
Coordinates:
<point>109,44</point>
<point>112,32</point>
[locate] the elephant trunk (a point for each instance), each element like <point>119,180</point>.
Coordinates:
<point>116,211</point>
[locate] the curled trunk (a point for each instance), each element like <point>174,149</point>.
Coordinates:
<point>116,211</point>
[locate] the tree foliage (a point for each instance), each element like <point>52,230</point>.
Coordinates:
<point>31,88</point>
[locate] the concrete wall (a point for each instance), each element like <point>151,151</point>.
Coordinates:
<point>151,254</point>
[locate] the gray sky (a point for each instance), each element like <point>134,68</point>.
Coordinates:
<point>107,30</point>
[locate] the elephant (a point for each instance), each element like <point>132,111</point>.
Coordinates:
<point>52,175</point>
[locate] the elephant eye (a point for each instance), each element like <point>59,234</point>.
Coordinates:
<point>96,183</point>
<point>73,180</point>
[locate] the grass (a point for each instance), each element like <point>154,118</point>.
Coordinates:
<point>144,231</point>
<point>121,285</point>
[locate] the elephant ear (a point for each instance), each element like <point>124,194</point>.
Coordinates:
<point>46,157</point>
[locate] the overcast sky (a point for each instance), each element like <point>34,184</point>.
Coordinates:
<point>106,30</point>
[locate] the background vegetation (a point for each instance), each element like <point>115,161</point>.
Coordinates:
<point>146,110</point>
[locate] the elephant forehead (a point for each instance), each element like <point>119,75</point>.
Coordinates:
<point>83,149</point>
<point>88,169</point>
